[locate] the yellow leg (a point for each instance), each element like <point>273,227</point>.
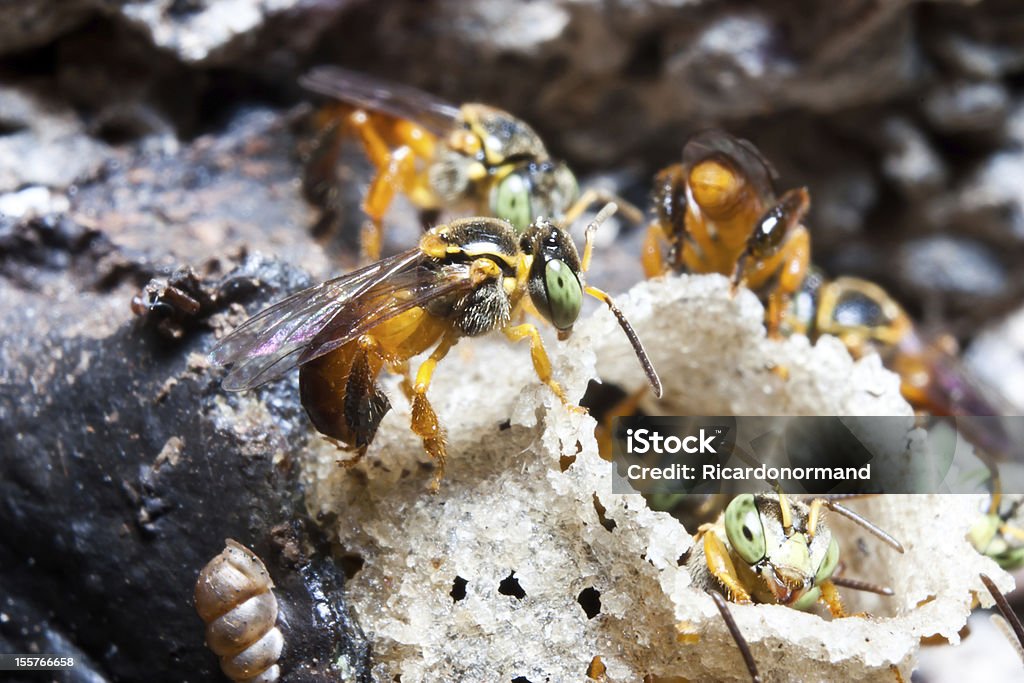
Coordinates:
<point>721,567</point>
<point>394,177</point>
<point>541,362</point>
<point>830,596</point>
<point>424,420</point>
<point>796,261</point>
<point>595,195</point>
<point>652,252</point>
<point>395,171</point>
<point>591,232</point>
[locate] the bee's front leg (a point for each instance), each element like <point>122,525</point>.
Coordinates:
<point>541,362</point>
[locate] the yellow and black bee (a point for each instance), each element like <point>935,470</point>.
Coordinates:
<point>472,158</point>
<point>465,279</point>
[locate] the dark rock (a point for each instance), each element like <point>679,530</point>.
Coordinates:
<point>29,24</point>
<point>124,461</point>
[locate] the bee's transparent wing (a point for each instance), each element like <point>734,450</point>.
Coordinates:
<point>412,288</point>
<point>373,94</point>
<point>271,343</point>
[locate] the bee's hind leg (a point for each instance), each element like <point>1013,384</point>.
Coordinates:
<point>424,421</point>
<point>348,419</point>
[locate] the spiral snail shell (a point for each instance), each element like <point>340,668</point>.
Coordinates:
<point>234,598</point>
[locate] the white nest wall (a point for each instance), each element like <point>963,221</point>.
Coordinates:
<point>525,519</point>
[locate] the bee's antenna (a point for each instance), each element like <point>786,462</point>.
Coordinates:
<point>1005,610</point>
<point>861,521</point>
<point>634,340</point>
<point>734,630</point>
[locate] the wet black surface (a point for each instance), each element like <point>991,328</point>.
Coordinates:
<point>124,469</point>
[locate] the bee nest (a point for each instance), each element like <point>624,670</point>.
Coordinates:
<point>525,566</point>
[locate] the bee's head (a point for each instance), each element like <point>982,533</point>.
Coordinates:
<point>554,283</point>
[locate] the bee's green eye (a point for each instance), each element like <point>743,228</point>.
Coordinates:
<point>565,296</point>
<point>828,565</point>
<point>743,527</point>
<point>511,201</point>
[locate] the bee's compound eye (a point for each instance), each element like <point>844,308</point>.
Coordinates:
<point>744,530</point>
<point>565,295</point>
<point>510,200</point>
<point>828,564</point>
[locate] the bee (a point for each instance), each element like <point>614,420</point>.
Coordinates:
<point>766,548</point>
<point>234,597</point>
<point>867,319</point>
<point>464,279</point>
<point>995,534</point>
<point>440,156</point>
<point>716,212</point>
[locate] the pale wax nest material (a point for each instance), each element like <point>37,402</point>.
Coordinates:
<point>507,509</point>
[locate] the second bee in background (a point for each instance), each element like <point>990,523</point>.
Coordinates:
<point>716,212</point>
<point>474,158</point>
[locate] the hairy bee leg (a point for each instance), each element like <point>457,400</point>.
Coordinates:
<point>721,567</point>
<point>341,396</point>
<point>652,252</point>
<point>737,635</point>
<point>595,195</point>
<point>830,596</point>
<point>541,362</point>
<point>424,421</point>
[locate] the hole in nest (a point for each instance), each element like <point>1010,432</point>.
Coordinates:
<point>510,586</point>
<point>458,591</point>
<point>566,461</point>
<point>521,679</point>
<point>608,524</point>
<point>351,564</point>
<point>590,601</point>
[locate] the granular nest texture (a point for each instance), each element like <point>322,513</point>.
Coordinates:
<point>524,566</point>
